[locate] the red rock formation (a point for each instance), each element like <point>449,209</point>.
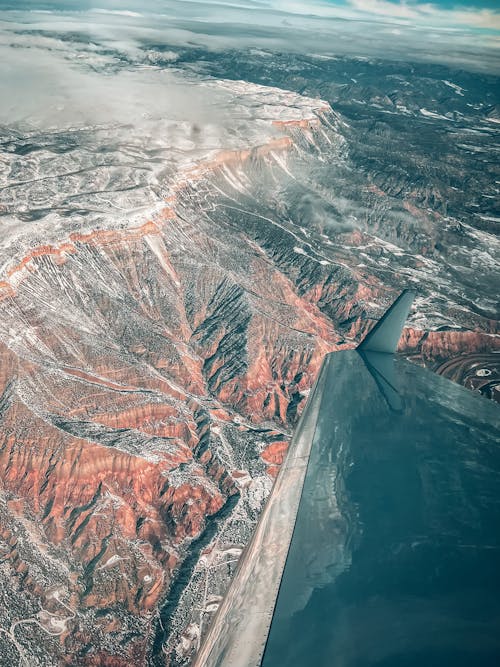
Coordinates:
<point>124,350</point>
<point>436,345</point>
<point>273,455</point>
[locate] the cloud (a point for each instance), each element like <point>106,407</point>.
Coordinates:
<point>117,12</point>
<point>385,8</point>
<point>429,13</point>
<point>370,28</point>
<point>313,211</point>
<point>76,72</point>
<point>413,13</point>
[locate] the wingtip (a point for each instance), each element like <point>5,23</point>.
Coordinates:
<point>385,335</point>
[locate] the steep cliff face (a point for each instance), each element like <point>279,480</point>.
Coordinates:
<point>149,380</point>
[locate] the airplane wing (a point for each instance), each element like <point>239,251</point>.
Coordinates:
<point>379,542</point>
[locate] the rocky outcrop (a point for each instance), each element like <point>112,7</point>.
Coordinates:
<point>273,455</point>
<point>439,345</point>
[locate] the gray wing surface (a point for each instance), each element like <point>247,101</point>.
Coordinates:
<point>378,544</point>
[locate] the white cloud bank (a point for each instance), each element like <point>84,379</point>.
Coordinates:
<point>429,14</point>
<point>471,17</point>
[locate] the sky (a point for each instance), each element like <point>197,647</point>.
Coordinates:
<point>466,13</point>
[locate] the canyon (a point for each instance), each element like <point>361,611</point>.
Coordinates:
<point>157,347</point>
